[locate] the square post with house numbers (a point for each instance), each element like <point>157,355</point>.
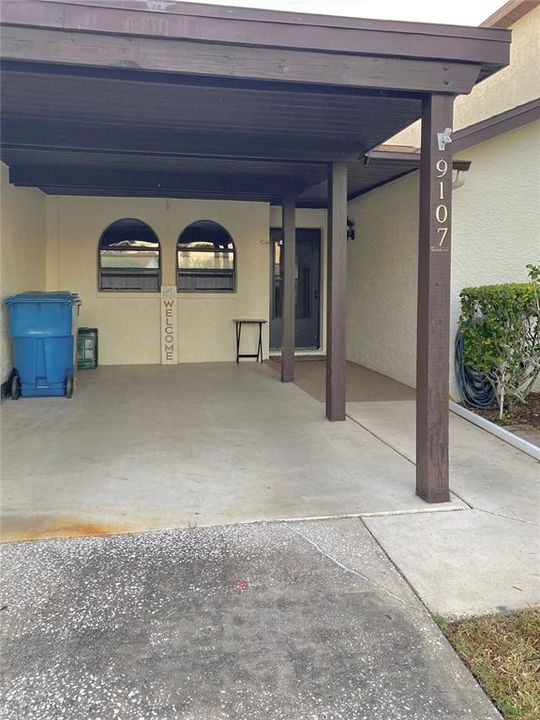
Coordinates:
<point>433,310</point>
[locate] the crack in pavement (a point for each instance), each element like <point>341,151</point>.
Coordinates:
<point>347,569</point>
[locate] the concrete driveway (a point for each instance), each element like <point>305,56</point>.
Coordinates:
<point>278,621</point>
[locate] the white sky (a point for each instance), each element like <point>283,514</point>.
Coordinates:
<point>453,12</point>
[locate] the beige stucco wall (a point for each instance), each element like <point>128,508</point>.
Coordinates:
<point>514,85</point>
<point>22,248</point>
<point>496,232</point>
<point>129,323</point>
<point>382,272</point>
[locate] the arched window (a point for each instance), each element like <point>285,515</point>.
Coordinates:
<point>205,258</point>
<point>129,257</point>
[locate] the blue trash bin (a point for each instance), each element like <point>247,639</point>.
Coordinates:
<point>43,326</point>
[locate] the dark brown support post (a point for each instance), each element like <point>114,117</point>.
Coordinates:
<point>288,289</point>
<point>336,291</point>
<point>433,313</point>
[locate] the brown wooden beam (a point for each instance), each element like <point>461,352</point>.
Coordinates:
<point>336,291</point>
<point>433,311</point>
<point>228,12</point>
<point>31,44</point>
<point>288,290</point>
<point>180,194</point>
<point>263,28</point>
<point>128,180</point>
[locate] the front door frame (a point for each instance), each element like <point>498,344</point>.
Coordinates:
<point>319,347</point>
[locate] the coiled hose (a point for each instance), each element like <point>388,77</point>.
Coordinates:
<point>475,387</point>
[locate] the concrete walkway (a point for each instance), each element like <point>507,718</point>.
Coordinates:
<point>485,558</point>
<point>298,621</point>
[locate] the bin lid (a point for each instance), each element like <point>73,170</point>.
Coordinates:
<point>44,297</point>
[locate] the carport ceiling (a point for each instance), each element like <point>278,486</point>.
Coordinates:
<point>94,134</point>
<point>127,97</point>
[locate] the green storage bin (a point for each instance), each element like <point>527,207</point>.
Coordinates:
<point>87,348</point>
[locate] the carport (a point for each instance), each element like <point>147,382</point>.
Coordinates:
<point>131,98</point>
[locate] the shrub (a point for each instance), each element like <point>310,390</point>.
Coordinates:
<point>501,336</point>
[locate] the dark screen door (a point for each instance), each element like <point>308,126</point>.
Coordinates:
<point>308,281</point>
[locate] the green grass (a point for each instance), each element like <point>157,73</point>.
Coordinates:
<point>503,653</point>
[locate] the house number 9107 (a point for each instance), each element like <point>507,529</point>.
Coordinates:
<point>441,210</point>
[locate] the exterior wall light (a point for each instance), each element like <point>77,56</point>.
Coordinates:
<point>458,180</point>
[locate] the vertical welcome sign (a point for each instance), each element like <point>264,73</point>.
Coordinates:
<point>169,325</point>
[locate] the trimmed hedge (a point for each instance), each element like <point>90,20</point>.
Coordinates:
<point>501,335</point>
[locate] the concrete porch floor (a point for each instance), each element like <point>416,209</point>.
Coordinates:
<point>363,384</point>
<point>152,447</point>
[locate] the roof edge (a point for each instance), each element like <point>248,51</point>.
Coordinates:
<point>496,125</point>
<point>235,12</point>
<point>509,13</point>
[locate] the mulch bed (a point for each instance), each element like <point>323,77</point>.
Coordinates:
<point>526,414</point>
